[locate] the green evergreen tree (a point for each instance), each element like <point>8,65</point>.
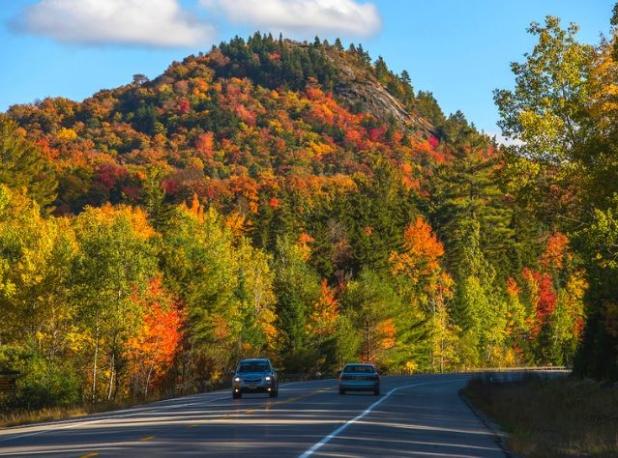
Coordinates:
<point>297,288</point>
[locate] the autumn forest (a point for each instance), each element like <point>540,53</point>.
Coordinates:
<point>304,202</point>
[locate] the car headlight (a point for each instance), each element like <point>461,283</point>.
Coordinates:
<point>237,379</point>
<point>268,378</point>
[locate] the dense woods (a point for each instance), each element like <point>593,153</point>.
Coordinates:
<point>250,201</point>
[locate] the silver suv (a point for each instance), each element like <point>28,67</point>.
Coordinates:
<point>359,377</point>
<point>255,376</point>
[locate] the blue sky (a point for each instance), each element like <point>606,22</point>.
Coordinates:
<point>458,49</point>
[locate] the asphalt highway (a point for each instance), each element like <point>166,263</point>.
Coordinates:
<point>418,416</point>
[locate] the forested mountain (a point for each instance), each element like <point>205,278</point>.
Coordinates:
<point>271,197</point>
<point>219,124</point>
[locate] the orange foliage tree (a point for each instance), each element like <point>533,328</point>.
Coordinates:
<point>420,259</point>
<point>323,319</point>
<point>152,349</point>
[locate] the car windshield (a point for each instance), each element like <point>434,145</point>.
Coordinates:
<point>359,369</point>
<point>253,366</point>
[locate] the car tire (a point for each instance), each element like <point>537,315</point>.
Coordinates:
<point>236,395</point>
<point>341,391</point>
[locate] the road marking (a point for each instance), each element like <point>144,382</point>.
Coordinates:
<point>123,413</point>
<point>89,455</point>
<point>43,431</point>
<point>362,415</point>
<point>146,438</point>
<point>270,403</point>
<point>70,424</point>
<point>300,398</point>
<point>75,424</point>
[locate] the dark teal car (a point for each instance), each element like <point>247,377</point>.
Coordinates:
<point>359,377</point>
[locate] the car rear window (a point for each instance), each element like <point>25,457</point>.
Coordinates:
<point>359,369</point>
<point>253,366</point>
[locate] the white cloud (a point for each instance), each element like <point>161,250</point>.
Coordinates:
<point>158,23</point>
<point>505,141</point>
<point>304,17</point>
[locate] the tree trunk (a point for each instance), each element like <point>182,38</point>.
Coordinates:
<point>442,355</point>
<point>94,366</point>
<point>147,382</point>
<point>112,370</point>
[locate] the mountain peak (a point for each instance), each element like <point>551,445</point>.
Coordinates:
<point>362,86</point>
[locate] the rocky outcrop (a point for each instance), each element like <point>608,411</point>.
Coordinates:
<point>363,92</point>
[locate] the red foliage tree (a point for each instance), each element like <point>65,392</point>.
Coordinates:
<point>110,174</point>
<point>184,106</point>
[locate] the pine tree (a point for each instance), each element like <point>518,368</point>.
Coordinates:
<point>475,225</point>
<point>159,212</point>
<point>297,288</point>
<point>472,217</point>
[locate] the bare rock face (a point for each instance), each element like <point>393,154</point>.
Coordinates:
<point>363,92</point>
<point>372,97</point>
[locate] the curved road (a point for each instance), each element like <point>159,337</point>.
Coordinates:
<point>414,416</point>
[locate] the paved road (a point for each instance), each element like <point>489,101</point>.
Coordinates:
<point>414,416</point>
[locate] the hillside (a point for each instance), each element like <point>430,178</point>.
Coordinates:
<point>216,123</point>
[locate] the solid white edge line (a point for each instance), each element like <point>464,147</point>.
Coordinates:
<point>68,424</point>
<point>60,425</point>
<point>360,416</point>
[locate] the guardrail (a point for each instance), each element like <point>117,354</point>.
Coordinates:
<point>295,377</point>
<point>516,374</point>
<point>520,369</point>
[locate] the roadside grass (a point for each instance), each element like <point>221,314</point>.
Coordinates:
<point>23,417</point>
<point>564,417</point>
<point>18,417</point>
